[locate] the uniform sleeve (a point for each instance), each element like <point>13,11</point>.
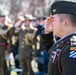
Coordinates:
<point>68,60</point>
<point>11,32</point>
<point>47,40</point>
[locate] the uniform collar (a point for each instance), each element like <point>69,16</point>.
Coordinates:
<point>61,41</point>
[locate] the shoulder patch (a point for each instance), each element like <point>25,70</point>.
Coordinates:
<point>73,41</point>
<point>73,47</point>
<point>72,54</point>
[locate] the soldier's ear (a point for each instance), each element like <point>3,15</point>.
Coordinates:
<point>65,22</point>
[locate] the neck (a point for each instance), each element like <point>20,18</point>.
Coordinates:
<point>71,30</point>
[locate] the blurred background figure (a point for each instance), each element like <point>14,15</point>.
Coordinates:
<point>14,50</point>
<point>40,55</point>
<point>25,38</point>
<point>6,32</point>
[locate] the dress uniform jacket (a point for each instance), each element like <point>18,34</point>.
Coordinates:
<point>3,44</point>
<point>62,54</point>
<point>25,53</point>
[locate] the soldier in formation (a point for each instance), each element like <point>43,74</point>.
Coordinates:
<point>25,45</point>
<point>62,23</point>
<point>6,32</point>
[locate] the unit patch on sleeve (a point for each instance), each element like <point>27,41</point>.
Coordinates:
<point>73,41</point>
<point>73,47</point>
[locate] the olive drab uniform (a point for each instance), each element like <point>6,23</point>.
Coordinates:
<point>62,55</point>
<point>4,36</point>
<point>25,52</point>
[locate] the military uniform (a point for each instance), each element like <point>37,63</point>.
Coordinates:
<point>25,53</point>
<point>62,54</point>
<point>3,44</point>
<point>62,57</point>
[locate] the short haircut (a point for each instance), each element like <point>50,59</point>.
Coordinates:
<point>70,17</point>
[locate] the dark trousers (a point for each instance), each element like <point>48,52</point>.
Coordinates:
<point>26,66</point>
<point>6,71</point>
<point>2,58</point>
<point>40,67</point>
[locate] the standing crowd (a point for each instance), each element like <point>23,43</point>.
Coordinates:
<point>22,38</point>
<point>49,41</point>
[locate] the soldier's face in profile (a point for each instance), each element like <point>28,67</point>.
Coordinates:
<point>57,25</point>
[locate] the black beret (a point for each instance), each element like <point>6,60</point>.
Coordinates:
<point>62,7</point>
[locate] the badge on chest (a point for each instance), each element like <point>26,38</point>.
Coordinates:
<point>54,55</point>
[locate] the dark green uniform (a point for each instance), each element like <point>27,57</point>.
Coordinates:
<point>62,55</point>
<point>3,45</point>
<point>25,53</point>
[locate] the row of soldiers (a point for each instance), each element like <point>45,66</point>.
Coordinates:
<point>27,31</point>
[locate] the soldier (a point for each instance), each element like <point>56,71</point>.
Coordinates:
<point>62,54</point>
<point>25,48</point>
<point>5,34</point>
<point>38,51</point>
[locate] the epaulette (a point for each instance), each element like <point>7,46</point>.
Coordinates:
<point>63,40</point>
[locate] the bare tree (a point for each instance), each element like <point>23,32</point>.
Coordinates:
<point>34,7</point>
<point>15,8</point>
<point>37,7</point>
